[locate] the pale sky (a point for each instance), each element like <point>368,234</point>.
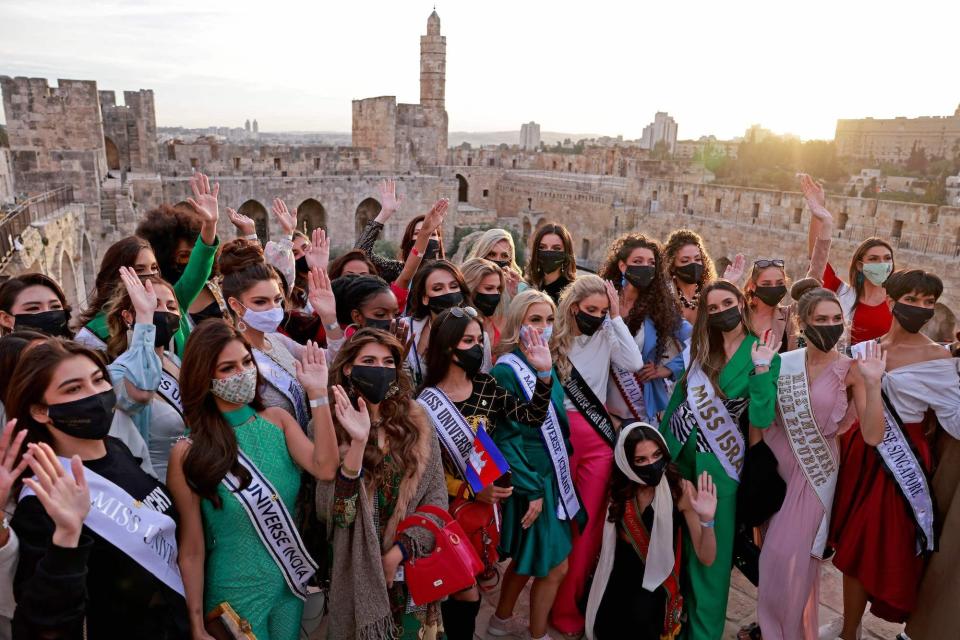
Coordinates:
<point>599,66</point>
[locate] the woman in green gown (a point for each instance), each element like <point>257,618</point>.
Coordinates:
<point>222,557</point>
<point>728,372</point>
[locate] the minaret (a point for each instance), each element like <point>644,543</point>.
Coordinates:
<point>433,64</point>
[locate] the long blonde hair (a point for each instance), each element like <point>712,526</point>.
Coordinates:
<point>487,240</point>
<point>706,344</point>
<point>513,318</point>
<point>475,270</point>
<point>563,334</point>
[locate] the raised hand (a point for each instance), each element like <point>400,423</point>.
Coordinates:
<point>204,200</point>
<point>613,296</point>
<point>535,348</point>
<point>734,272</point>
<point>812,192</point>
<point>435,216</point>
<point>318,255</point>
<point>287,220</point>
<point>320,295</point>
<point>8,455</point>
<point>763,351</point>
<point>871,361</point>
<point>513,280</point>
<point>390,201</point>
<point>66,499</point>
<point>356,422</point>
<point>401,330</point>
<point>143,297</point>
<point>312,370</point>
<point>245,226</point>
<point>704,502</point>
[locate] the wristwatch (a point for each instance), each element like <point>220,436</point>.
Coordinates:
<point>333,326</point>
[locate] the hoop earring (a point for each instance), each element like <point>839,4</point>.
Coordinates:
<point>241,325</point>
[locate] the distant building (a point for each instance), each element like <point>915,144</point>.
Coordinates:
<point>953,191</point>
<point>256,127</point>
<point>662,129</point>
<point>246,125</point>
<point>893,139</point>
<point>530,136</point>
<point>690,149</point>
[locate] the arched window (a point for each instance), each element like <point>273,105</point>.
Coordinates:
<point>311,215</point>
<point>366,211</point>
<point>585,249</point>
<point>256,212</point>
<point>463,189</point>
<point>113,154</point>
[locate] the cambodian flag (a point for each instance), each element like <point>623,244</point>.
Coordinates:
<point>486,463</point>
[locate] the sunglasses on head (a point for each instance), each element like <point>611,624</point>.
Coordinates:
<point>763,263</point>
<point>463,312</point>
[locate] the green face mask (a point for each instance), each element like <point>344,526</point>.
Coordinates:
<point>877,272</point>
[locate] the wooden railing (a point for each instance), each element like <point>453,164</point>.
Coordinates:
<point>14,222</point>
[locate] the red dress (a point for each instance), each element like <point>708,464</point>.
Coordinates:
<point>869,322</point>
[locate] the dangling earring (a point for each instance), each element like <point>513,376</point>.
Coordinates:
<point>623,281</point>
<point>241,325</point>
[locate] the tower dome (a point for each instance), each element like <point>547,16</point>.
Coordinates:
<point>433,24</point>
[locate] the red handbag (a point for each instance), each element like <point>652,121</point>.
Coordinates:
<point>479,522</point>
<point>449,568</point>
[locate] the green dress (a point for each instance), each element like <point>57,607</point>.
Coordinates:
<point>548,541</point>
<point>706,588</point>
<point>239,570</point>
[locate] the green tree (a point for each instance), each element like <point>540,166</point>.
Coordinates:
<point>918,159</point>
<point>660,151</point>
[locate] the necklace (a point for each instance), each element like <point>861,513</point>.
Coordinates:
<point>689,304</point>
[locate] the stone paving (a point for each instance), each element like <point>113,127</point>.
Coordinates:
<point>741,609</point>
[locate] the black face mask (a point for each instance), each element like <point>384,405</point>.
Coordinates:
<point>911,318</point>
<point>167,325</point>
<point>823,336</point>
<point>587,323</point>
<point>771,296</point>
<point>377,323</point>
<point>690,272</point>
<point>503,264</point>
<point>300,264</point>
<point>52,323</point>
<point>373,383</point>
<point>726,320</point>
<point>439,304</point>
<point>550,261</point>
<point>486,303</point>
<point>651,473</point>
<point>88,418</point>
<point>212,310</point>
<point>470,360</point>
<point>432,250</point>
<point>639,276</point>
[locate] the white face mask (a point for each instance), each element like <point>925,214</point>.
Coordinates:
<point>263,321</point>
<point>547,332</point>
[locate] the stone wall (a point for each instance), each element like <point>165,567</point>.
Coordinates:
<point>131,129</point>
<point>893,139</point>
<point>7,191</point>
<point>375,127</point>
<point>255,160</point>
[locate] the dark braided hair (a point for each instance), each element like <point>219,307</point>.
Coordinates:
<point>352,291</point>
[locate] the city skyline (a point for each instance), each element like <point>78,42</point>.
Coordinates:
<point>567,69</point>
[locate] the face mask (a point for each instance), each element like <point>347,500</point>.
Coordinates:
<point>432,250</point>
<point>911,318</point>
<point>167,325</point>
<point>240,388</point>
<point>263,321</point>
<point>771,296</point>
<point>547,332</point>
<point>52,323</point>
<point>877,272</point>
<point>300,264</point>
<point>823,336</point>
<point>726,320</point>
<point>690,272</point>
<point>639,276</point>
<point>587,323</point>
<point>439,304</point>
<point>551,261</point>
<point>212,310</point>
<point>503,264</point>
<point>470,360</point>
<point>486,303</point>
<point>88,418</point>
<point>373,383</point>
<point>377,323</point>
<point>651,473</point>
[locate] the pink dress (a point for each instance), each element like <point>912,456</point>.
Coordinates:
<point>789,574</point>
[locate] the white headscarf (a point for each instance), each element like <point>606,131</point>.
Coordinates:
<point>660,556</point>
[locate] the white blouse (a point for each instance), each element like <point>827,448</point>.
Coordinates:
<point>592,355</point>
<point>934,384</point>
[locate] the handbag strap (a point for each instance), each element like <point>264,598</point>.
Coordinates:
<point>434,510</point>
<point>416,520</point>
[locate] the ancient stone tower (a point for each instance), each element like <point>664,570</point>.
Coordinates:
<point>433,65</point>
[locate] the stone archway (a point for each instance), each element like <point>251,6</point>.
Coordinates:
<point>88,268</point>
<point>526,230</point>
<point>366,211</point>
<point>113,154</point>
<point>311,215</point>
<point>463,189</point>
<point>258,213</point>
<point>68,279</point>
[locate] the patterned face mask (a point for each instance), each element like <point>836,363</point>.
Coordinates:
<point>239,388</point>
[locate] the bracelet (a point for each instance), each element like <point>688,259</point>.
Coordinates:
<point>252,236</point>
<point>544,375</point>
<point>348,473</point>
<point>708,524</point>
<point>320,402</point>
<point>761,363</point>
<point>333,326</point>
<point>413,251</point>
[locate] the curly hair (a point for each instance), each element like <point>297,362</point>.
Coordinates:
<point>164,228</point>
<point>396,410</point>
<point>680,239</point>
<point>655,301</point>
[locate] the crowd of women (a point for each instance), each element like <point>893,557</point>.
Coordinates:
<point>237,440</point>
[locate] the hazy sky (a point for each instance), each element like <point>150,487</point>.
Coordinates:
<point>599,66</point>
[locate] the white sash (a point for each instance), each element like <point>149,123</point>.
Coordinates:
<point>713,419</point>
<point>283,382</point>
<point>146,535</point>
<point>809,446</point>
<point>413,358</point>
<point>274,526</point>
<point>552,439</point>
<point>455,434</point>
<point>631,390</point>
<point>170,390</point>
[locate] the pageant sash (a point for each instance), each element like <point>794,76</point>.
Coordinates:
<point>170,390</point>
<point>552,436</point>
<point>274,526</point>
<point>713,419</point>
<point>147,536</point>
<point>639,539</point>
<point>477,458</point>
<point>631,390</point>
<point>413,358</point>
<point>808,443</point>
<point>589,406</point>
<point>900,460</point>
<point>285,383</point>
